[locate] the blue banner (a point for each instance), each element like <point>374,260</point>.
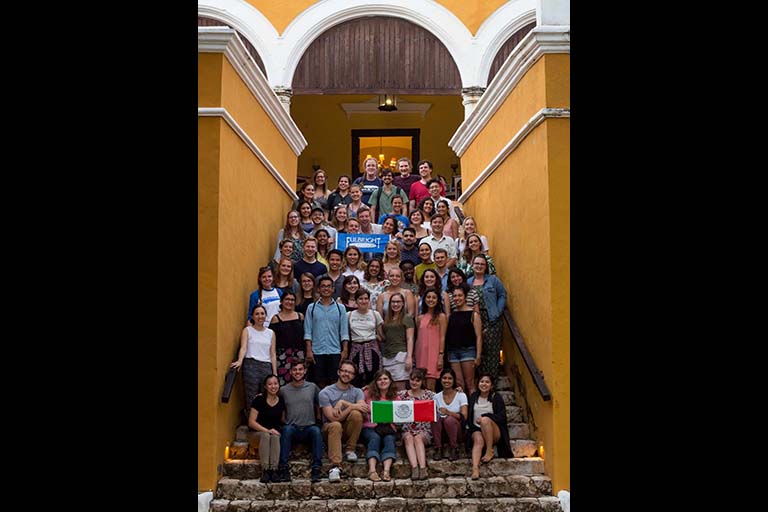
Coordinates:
<point>366,243</point>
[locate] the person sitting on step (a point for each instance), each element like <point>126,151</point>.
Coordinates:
<point>374,435</point>
<point>487,425</point>
<point>417,435</point>
<point>451,415</point>
<point>266,418</point>
<point>301,422</point>
<point>343,406</point>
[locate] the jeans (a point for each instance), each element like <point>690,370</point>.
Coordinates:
<point>310,434</point>
<point>373,441</point>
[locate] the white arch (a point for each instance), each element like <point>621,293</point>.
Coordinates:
<point>435,18</point>
<point>281,54</point>
<point>496,29</point>
<point>247,20</point>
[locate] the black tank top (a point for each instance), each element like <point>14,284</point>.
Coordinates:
<point>289,333</point>
<point>460,332</point>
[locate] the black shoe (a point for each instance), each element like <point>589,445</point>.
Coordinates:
<point>438,453</point>
<point>283,475</point>
<point>453,453</point>
<point>266,476</point>
<point>315,477</point>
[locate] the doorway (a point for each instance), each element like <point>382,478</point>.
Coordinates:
<point>386,146</point>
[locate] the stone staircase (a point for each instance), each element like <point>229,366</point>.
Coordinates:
<point>517,484</point>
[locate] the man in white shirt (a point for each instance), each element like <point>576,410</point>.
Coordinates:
<point>439,241</point>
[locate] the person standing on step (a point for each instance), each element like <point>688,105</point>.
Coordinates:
<point>464,339</point>
<point>381,200</point>
<point>266,295</point>
<point>493,300</point>
<point>343,406</point>
<point>369,181</point>
<point>365,334</point>
<point>417,435</point>
<point>266,418</point>
<point>326,333</point>
<point>289,334</point>
<point>374,435</point>
<point>308,261</point>
<point>301,421</point>
<point>451,415</point>
<point>406,178</point>
<point>487,425</point>
<point>257,355</point>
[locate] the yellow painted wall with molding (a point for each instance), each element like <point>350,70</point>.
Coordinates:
<point>281,12</point>
<point>524,210</point>
<point>236,235</point>
<point>328,131</point>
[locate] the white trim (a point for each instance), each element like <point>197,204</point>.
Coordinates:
<point>496,29</point>
<point>247,20</point>
<point>322,15</point>
<point>514,142</point>
<point>225,40</point>
<point>281,54</point>
<point>537,42</point>
<point>222,112</point>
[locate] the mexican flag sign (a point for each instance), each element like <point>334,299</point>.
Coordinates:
<point>403,411</point>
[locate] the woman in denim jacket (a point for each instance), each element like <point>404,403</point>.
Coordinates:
<point>493,300</point>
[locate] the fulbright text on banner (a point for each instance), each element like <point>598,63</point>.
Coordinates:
<point>366,243</point>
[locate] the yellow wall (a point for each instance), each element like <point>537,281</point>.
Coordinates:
<point>527,98</point>
<point>329,136</point>
<point>471,12</point>
<point>524,210</point>
<point>236,235</point>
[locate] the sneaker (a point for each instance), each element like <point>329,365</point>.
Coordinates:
<point>334,475</point>
<point>315,476</point>
<point>438,453</point>
<point>266,476</point>
<point>351,457</point>
<point>453,453</point>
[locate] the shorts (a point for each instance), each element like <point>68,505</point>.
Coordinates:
<point>463,354</point>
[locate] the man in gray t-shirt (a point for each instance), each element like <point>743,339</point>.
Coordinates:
<point>343,406</point>
<point>301,414</point>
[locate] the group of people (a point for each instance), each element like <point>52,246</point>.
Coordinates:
<point>340,415</point>
<point>429,306</point>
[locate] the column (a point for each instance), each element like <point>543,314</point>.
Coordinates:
<point>470,96</point>
<point>284,95</point>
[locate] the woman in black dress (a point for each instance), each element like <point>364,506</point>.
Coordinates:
<point>289,333</point>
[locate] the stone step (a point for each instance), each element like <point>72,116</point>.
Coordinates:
<point>508,396</point>
<point>519,431</point>
<point>503,383</point>
<point>514,414</point>
<point>242,450</point>
<point>250,469</point>
<point>523,447</point>
<point>393,504</point>
<point>512,486</point>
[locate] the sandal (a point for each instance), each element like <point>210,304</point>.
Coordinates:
<point>374,476</point>
<point>385,476</point>
<point>475,474</point>
<point>486,459</point>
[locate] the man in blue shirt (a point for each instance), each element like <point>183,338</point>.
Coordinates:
<point>326,333</point>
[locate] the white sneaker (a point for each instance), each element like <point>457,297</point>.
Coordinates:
<point>351,457</point>
<point>334,475</point>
